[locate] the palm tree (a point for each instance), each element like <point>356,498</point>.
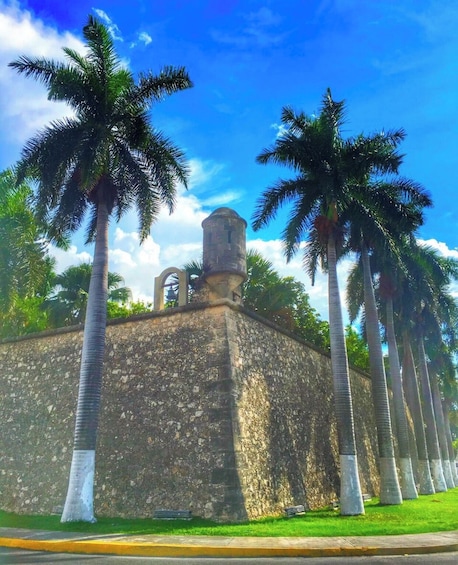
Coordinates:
<point>441,327</point>
<point>410,384</point>
<point>397,207</point>
<point>105,159</point>
<point>386,291</point>
<point>451,452</point>
<point>331,177</point>
<point>68,305</point>
<point>421,305</point>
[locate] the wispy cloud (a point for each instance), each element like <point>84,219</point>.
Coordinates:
<point>257,31</point>
<point>113,29</point>
<point>143,38</point>
<point>280,129</point>
<point>223,199</point>
<point>203,172</point>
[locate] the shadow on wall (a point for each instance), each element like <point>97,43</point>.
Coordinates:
<point>301,434</point>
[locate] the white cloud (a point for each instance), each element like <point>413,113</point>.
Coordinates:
<point>444,250</point>
<point>113,29</point>
<point>138,264</point>
<point>145,38</point>
<point>440,246</point>
<point>24,103</point>
<point>202,172</point>
<point>222,199</point>
<point>72,256</point>
<point>280,128</point>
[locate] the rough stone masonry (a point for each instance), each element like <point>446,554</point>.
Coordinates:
<point>205,407</point>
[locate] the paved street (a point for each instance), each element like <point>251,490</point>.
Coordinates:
<point>10,557</point>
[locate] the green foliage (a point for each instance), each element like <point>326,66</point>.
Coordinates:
<point>455,447</point>
<point>282,300</point>
<point>25,266</point>
<point>67,305</point>
<point>124,310</point>
<point>357,350</point>
<point>24,317</point>
<point>433,513</point>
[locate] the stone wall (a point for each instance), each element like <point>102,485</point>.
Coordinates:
<point>204,407</point>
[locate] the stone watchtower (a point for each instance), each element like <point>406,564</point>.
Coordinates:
<point>224,254</point>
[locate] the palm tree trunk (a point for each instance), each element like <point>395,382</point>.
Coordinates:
<point>448,433</point>
<point>390,491</point>
<point>351,500</point>
<point>79,504</point>
<point>430,421</point>
<point>440,426</point>
<point>408,488</point>
<point>410,382</point>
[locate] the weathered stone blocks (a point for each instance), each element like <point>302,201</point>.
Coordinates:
<point>205,407</point>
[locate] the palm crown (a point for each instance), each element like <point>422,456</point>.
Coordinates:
<point>108,149</point>
<point>332,175</point>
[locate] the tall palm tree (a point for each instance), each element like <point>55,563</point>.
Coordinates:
<point>105,159</point>
<point>331,176</point>
<point>421,304</point>
<point>410,385</point>
<point>397,209</point>
<point>451,451</point>
<point>442,327</point>
<point>387,271</point>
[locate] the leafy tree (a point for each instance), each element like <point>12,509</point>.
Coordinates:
<point>124,310</point>
<point>67,306</point>
<point>25,266</point>
<point>358,352</point>
<point>103,160</point>
<point>331,182</point>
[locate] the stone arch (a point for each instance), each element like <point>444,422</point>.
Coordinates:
<point>159,283</point>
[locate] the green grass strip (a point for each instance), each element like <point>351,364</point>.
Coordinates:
<point>433,513</point>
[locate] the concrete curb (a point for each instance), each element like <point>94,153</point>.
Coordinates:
<point>246,547</point>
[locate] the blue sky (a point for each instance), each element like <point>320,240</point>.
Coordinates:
<point>395,64</point>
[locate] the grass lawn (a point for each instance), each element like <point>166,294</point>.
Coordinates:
<point>433,513</point>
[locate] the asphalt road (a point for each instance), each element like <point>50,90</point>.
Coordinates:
<point>16,556</point>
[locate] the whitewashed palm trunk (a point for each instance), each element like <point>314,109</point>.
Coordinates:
<point>410,382</point>
<point>440,426</point>
<point>448,434</point>
<point>79,504</point>
<point>408,488</point>
<point>390,490</point>
<point>351,501</point>
<point>432,440</point>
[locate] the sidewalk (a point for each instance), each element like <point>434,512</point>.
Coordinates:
<point>209,546</point>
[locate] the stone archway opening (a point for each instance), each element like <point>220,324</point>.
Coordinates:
<point>167,290</point>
